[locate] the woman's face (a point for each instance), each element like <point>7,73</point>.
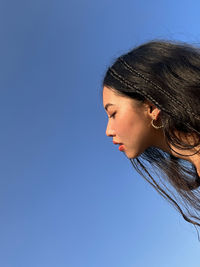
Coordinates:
<point>129,123</point>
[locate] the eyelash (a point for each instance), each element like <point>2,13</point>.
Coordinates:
<point>113,115</point>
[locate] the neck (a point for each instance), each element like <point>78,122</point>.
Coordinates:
<point>191,155</point>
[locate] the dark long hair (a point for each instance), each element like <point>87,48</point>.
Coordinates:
<point>167,74</point>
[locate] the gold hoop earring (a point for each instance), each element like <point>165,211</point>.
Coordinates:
<point>156,127</point>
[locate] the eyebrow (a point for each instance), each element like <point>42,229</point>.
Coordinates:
<point>107,105</point>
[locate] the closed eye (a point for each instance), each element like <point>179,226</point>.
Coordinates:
<point>113,115</point>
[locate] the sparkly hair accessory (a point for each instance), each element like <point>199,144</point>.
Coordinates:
<point>147,80</point>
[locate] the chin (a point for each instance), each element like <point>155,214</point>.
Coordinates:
<point>133,154</point>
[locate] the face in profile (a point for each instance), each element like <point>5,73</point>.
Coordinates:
<point>129,122</point>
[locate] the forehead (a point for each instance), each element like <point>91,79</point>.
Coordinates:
<point>111,97</point>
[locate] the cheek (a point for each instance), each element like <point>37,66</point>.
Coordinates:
<point>125,128</point>
<point>137,131</point>
<point>132,129</point>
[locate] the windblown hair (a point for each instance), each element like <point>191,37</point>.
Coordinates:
<point>168,75</point>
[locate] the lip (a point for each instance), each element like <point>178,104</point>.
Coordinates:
<point>116,143</point>
<point>121,145</point>
<point>121,148</point>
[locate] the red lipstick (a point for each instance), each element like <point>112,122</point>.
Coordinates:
<point>121,148</point>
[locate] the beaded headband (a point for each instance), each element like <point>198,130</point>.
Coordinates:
<point>147,80</point>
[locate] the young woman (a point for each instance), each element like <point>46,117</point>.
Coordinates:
<point>152,97</point>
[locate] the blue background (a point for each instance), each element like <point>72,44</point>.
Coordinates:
<point>68,197</point>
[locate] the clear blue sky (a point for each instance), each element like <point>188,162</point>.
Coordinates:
<point>68,197</point>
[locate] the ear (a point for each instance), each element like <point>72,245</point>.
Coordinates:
<point>152,110</point>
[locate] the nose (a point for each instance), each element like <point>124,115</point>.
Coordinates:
<point>109,130</point>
